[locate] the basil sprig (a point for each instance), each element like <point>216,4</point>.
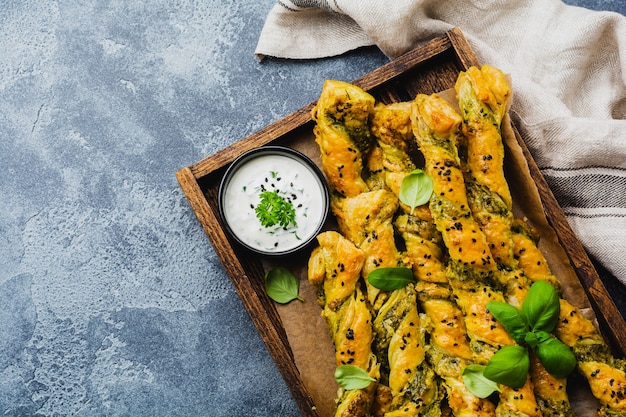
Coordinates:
<point>416,189</point>
<point>282,285</point>
<point>390,278</point>
<point>352,377</point>
<point>530,327</point>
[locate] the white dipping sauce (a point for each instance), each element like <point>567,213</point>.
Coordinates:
<point>294,181</point>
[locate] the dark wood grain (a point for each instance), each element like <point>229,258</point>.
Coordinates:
<point>429,68</point>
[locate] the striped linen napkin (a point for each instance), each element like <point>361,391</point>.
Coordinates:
<point>568,66</point>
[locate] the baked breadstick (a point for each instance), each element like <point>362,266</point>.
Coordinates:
<point>604,373</point>
<point>471,268</point>
<point>400,343</point>
<point>483,95</point>
<point>364,216</point>
<point>366,220</point>
<point>529,257</point>
<point>342,132</point>
<point>335,268</point>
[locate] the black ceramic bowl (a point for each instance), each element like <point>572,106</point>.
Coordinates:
<point>261,187</point>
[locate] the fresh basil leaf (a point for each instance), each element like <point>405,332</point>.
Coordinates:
<point>477,383</point>
<point>531,339</point>
<point>542,336</point>
<point>509,366</point>
<point>416,188</point>
<point>557,358</point>
<point>352,377</point>
<point>282,285</point>
<point>390,278</point>
<point>541,307</point>
<point>511,318</point>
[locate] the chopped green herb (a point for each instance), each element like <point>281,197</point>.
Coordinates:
<point>274,210</point>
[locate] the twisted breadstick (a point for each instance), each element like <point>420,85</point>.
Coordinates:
<point>335,267</point>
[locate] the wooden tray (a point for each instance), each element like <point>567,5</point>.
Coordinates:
<point>429,68</point>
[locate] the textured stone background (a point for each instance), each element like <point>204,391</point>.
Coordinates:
<point>112,301</point>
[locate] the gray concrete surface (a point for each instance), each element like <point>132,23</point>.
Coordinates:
<point>112,300</point>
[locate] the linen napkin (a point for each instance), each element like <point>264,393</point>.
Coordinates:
<point>568,67</point>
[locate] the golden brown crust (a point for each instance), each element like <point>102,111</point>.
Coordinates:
<point>342,114</point>
<point>607,383</point>
<point>351,331</point>
<point>366,220</point>
<point>407,350</point>
<point>530,259</point>
<point>435,123</point>
<point>448,328</point>
<point>391,124</point>
<point>519,401</point>
<point>339,262</point>
<point>480,323</point>
<point>573,328</point>
<point>550,390</point>
<point>483,95</point>
<point>336,265</point>
<point>464,403</point>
